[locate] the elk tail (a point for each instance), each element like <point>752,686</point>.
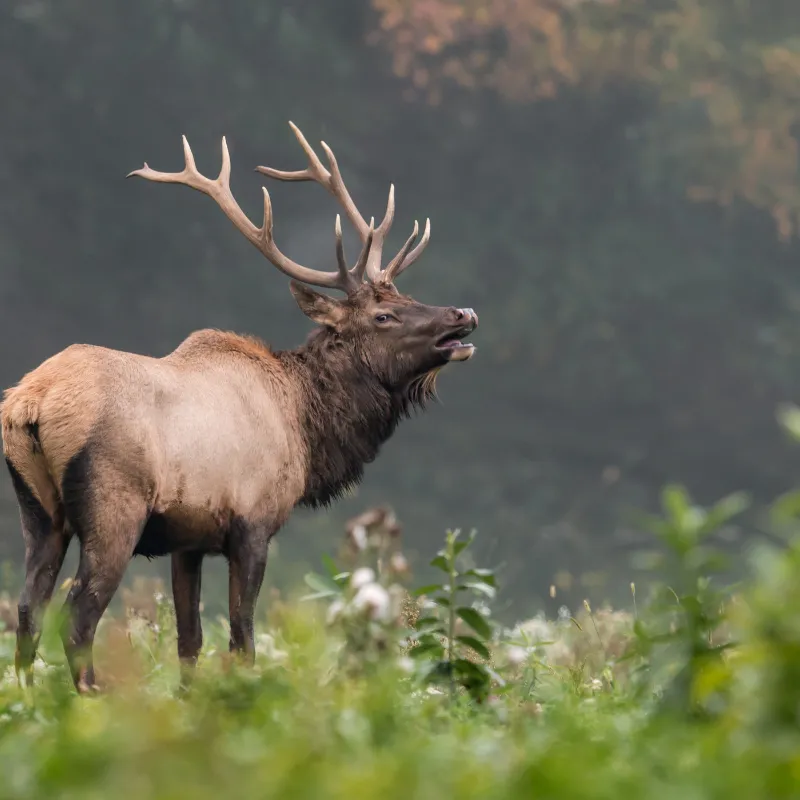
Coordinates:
<point>30,472</point>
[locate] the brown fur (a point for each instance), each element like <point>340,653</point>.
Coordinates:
<point>204,451</point>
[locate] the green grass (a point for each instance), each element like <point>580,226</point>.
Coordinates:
<point>696,694</point>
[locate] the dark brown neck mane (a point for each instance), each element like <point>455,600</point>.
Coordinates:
<point>348,412</point>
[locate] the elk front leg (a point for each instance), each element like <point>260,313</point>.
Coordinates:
<point>247,562</point>
<point>186,580</point>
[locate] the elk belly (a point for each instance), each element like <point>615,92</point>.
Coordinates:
<point>181,527</point>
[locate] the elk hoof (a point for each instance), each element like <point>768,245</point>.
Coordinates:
<point>87,689</point>
<point>24,671</point>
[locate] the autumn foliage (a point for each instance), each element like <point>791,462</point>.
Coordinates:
<point>725,75</point>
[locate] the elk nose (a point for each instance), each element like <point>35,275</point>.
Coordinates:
<point>465,316</point>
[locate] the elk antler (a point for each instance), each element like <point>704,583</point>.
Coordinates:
<point>219,190</point>
<point>333,182</point>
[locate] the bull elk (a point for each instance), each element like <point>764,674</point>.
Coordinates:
<point>207,450</point>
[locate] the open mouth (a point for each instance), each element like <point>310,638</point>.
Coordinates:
<point>452,346</point>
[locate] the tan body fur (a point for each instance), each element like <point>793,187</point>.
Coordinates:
<point>157,411</point>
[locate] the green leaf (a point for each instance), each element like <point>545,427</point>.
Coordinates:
<point>427,648</point>
<point>429,589</point>
<point>787,506</point>
<point>473,677</point>
<point>724,510</point>
<point>438,630</point>
<point>470,668</point>
<point>788,416</point>
<point>639,629</point>
<point>330,565</point>
<point>478,588</point>
<point>475,621</point>
<point>463,544</point>
<point>306,598</point>
<point>439,672</point>
<point>676,502</point>
<point>479,647</point>
<point>442,601</point>
<point>440,562</point>
<point>325,587</point>
<point>483,575</point>
<point>705,560</point>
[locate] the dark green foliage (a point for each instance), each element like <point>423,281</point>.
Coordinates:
<point>717,722</point>
<point>686,610</point>
<point>437,640</point>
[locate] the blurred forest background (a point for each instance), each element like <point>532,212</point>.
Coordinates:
<point>612,185</point>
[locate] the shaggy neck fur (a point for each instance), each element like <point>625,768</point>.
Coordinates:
<point>347,413</point>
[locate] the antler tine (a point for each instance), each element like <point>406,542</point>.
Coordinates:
<point>315,171</point>
<point>346,277</point>
<point>339,191</point>
<point>373,270</point>
<point>361,264</point>
<point>219,190</point>
<point>334,183</point>
<point>404,259</point>
<point>336,186</point>
<point>388,274</point>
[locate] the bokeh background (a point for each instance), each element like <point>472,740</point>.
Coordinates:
<point>612,184</point>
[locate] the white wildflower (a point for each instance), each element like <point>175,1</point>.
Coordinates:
<point>558,653</point>
<point>359,536</point>
<point>374,600</point>
<point>265,645</point>
<point>406,664</point>
<point>516,655</point>
<point>398,563</point>
<point>361,577</point>
<point>335,610</point>
<point>538,629</point>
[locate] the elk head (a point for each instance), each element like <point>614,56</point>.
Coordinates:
<point>397,338</point>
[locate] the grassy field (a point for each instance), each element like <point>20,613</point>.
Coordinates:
<point>367,687</point>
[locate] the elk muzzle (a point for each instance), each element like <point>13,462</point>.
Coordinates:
<point>450,344</point>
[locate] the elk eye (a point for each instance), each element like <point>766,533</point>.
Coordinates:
<point>382,318</point>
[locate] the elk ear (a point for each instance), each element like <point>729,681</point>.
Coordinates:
<point>319,307</point>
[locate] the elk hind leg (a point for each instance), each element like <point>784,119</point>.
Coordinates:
<point>108,517</point>
<point>46,543</point>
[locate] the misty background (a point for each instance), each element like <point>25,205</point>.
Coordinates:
<point>612,186</point>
